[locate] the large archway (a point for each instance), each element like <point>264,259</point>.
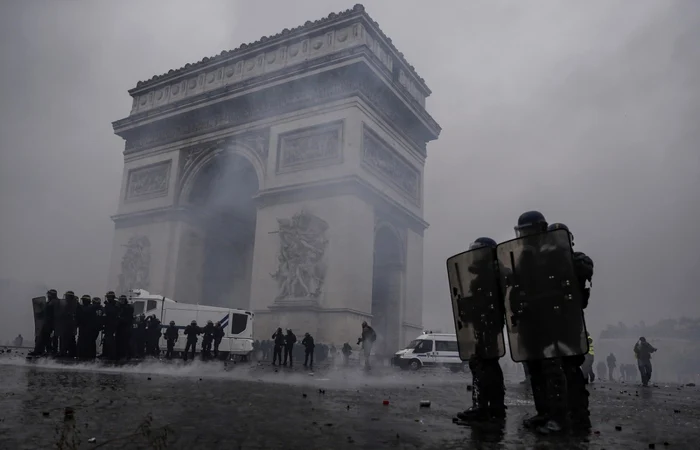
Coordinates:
<point>386,290</point>
<point>221,204</point>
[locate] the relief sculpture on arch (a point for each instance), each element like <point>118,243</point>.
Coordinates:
<point>301,267</point>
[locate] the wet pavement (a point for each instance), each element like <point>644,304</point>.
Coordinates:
<point>250,406</point>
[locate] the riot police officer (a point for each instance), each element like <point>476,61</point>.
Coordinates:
<point>171,334</point>
<point>45,343</point>
<point>535,328</point>
<point>124,328</point>
<point>479,326</point>
<point>575,380</point>
<point>111,323</point>
<point>81,318</point>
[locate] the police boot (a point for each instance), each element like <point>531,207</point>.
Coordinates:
<point>498,412</point>
<point>474,414</point>
<point>535,421</point>
<point>552,427</point>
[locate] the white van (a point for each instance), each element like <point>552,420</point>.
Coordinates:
<point>237,323</point>
<point>431,349</point>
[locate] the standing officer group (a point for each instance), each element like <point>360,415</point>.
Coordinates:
<point>536,286</point>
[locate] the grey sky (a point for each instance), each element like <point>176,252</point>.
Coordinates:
<point>587,111</point>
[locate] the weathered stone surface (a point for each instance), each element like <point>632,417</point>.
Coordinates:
<point>330,155</point>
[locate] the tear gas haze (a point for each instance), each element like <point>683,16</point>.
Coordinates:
<point>584,111</point>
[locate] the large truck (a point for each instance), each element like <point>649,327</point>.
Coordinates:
<point>237,323</point>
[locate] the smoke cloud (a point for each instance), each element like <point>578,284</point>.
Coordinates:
<point>586,112</point>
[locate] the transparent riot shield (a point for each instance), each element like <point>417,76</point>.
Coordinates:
<point>64,321</point>
<point>543,304</point>
<point>39,307</point>
<point>476,304</point>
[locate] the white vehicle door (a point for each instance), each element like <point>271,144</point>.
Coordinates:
<point>424,352</point>
<point>446,352</point>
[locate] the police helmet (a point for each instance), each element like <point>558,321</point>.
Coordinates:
<point>483,242</point>
<point>561,226</point>
<point>217,324</point>
<point>530,222</point>
<point>172,322</point>
<point>52,293</point>
<point>209,322</point>
<point>364,324</point>
<point>194,322</point>
<point>85,297</point>
<point>110,294</point>
<point>96,300</point>
<point>123,298</point>
<point>69,294</point>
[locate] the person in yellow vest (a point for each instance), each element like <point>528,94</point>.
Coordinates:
<point>587,365</point>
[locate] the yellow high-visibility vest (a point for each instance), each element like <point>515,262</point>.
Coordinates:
<point>590,347</point>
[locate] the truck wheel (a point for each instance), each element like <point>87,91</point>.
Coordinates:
<point>414,364</point>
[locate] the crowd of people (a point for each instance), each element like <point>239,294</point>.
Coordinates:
<point>283,344</point>
<point>75,332</point>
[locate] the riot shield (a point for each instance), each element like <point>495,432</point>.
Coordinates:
<point>65,316</point>
<point>39,307</point>
<point>543,304</point>
<point>476,304</point>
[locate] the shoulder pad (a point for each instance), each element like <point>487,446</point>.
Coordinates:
<point>583,258</point>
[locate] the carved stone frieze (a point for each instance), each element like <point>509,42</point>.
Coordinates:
<point>149,181</point>
<point>310,147</point>
<point>136,264</point>
<point>279,100</point>
<point>301,268</point>
<point>257,141</point>
<point>380,157</point>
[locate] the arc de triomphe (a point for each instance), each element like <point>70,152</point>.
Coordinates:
<point>284,177</point>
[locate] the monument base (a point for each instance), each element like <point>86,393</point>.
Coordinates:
<point>327,326</point>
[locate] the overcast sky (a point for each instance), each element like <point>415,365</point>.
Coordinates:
<point>586,111</point>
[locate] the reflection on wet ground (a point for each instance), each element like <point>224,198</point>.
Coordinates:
<point>205,406</point>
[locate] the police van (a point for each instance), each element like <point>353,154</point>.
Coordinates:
<point>236,323</point>
<point>430,350</point>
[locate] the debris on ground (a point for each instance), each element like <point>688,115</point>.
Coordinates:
<point>92,440</point>
<point>425,403</point>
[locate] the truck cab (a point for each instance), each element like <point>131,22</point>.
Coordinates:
<point>430,350</point>
<point>236,323</point>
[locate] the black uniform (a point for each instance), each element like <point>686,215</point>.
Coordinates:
<point>81,319</point>
<point>45,343</point>
<point>153,329</point>
<point>479,311</point>
<point>124,327</point>
<point>170,335</point>
<point>289,340</point>
<point>68,325</point>
<point>95,319</point>
<point>278,338</point>
<point>138,336</point>
<point>191,331</point>
<point>207,338</point>
<point>218,336</point>
<point>308,343</point>
<point>111,323</point>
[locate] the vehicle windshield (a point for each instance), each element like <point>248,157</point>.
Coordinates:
<point>413,344</point>
<point>138,308</point>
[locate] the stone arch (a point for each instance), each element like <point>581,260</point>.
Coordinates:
<point>199,159</point>
<point>217,194</point>
<point>387,291</point>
